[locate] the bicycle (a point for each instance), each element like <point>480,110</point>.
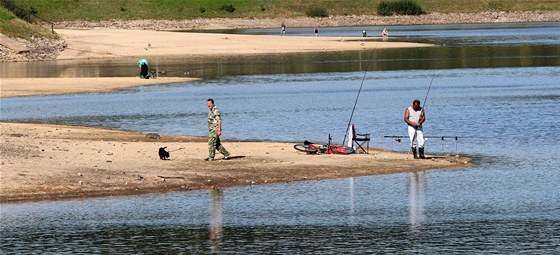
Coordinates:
<point>314,148</point>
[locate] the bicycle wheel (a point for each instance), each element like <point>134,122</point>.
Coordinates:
<point>304,148</point>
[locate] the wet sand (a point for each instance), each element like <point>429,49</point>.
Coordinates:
<point>55,86</point>
<point>49,162</point>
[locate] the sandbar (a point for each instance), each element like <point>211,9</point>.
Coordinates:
<point>119,43</point>
<point>16,87</point>
<point>49,162</point>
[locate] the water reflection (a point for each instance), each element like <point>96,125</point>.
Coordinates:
<point>457,48</point>
<point>216,218</point>
<point>352,195</point>
<point>416,198</point>
<point>440,57</point>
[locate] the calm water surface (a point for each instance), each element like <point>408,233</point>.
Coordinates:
<point>509,203</point>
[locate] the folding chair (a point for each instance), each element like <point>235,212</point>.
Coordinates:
<point>360,140</point>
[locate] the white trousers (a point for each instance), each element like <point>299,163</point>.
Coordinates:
<point>419,136</point>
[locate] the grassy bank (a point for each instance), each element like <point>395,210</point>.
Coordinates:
<point>12,26</point>
<point>58,10</point>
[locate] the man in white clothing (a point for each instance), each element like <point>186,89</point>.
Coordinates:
<point>414,116</point>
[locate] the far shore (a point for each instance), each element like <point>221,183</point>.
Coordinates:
<point>122,43</point>
<point>332,21</point>
<point>50,162</point>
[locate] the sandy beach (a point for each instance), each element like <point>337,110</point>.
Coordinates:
<point>46,162</point>
<point>55,86</point>
<point>114,43</point>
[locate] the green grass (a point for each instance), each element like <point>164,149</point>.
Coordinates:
<point>12,26</point>
<point>58,10</point>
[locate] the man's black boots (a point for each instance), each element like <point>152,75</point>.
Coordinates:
<point>413,149</point>
<point>421,152</point>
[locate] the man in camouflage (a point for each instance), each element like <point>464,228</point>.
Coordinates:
<point>215,130</point>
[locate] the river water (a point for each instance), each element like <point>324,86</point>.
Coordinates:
<point>500,97</point>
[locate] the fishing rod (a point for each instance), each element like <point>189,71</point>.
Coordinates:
<point>421,113</point>
<point>358,96</point>
<point>433,136</point>
<point>164,72</point>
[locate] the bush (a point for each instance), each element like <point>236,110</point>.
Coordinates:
<point>19,12</point>
<point>228,7</point>
<point>403,7</point>
<point>317,12</point>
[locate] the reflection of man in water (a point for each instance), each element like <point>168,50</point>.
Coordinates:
<point>416,199</point>
<point>216,218</point>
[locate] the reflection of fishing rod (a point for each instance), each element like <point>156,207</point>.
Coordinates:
<point>357,97</point>
<point>422,113</point>
<point>435,136</point>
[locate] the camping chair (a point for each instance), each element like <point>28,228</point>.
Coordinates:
<point>360,140</point>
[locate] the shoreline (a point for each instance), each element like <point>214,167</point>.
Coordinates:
<point>18,87</point>
<point>50,162</point>
<point>332,21</point>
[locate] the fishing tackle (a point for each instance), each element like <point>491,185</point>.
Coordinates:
<point>357,97</point>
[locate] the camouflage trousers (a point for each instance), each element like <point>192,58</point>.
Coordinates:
<point>214,143</point>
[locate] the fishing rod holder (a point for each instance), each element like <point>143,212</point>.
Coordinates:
<point>443,139</point>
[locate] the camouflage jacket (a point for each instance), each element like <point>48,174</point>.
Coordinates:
<point>213,118</point>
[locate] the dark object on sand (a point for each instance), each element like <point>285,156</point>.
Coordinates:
<point>163,154</point>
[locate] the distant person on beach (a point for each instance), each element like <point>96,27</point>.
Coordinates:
<point>143,64</point>
<point>283,29</point>
<point>385,33</point>
<point>316,31</point>
<point>414,116</point>
<point>215,130</point>
<point>364,34</point>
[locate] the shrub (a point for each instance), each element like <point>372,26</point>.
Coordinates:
<point>494,6</point>
<point>317,12</point>
<point>402,7</point>
<point>19,12</point>
<point>228,7</point>
<point>383,9</point>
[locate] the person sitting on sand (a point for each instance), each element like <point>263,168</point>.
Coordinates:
<point>143,64</point>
